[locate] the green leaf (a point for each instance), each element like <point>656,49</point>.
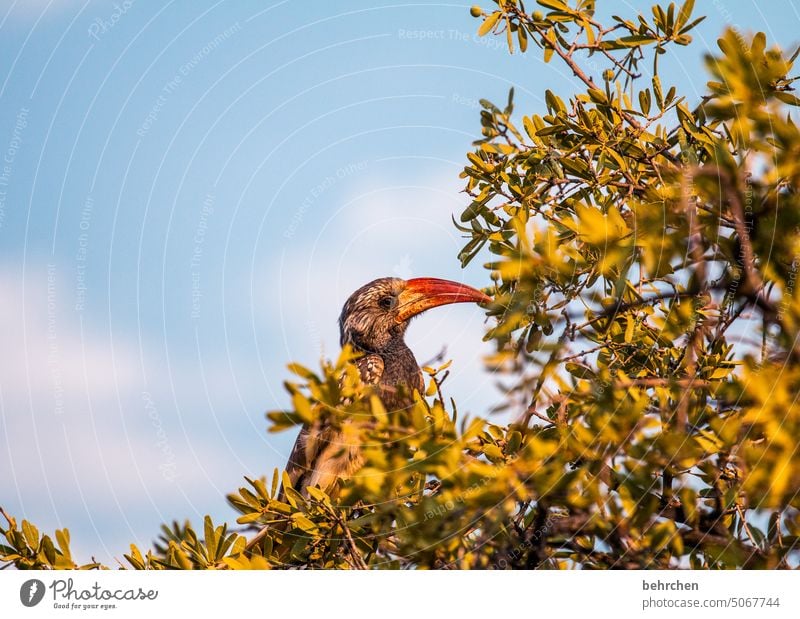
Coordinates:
<point>644,101</point>
<point>302,407</point>
<point>261,488</point>
<point>690,26</point>
<point>522,39</point>
<point>489,23</point>
<point>62,538</point>
<point>629,329</point>
<point>302,372</point>
<point>135,558</point>
<point>472,211</point>
<point>514,442</point>
<point>304,524</point>
<point>580,371</point>
<point>658,92</point>
<point>31,534</point>
<point>551,130</point>
<point>787,98</point>
<point>556,5</point>
<point>210,537</point>
<point>49,550</point>
<point>635,40</point>
<point>249,518</point>
<point>684,14</point>
<point>493,452</point>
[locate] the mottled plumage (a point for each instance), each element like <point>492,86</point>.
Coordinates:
<point>373,321</point>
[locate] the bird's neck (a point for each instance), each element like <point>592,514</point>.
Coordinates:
<point>397,357</point>
<point>395,348</point>
<point>400,374</point>
<point>400,366</point>
<point>400,354</point>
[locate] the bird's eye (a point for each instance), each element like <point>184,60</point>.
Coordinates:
<point>387,303</point>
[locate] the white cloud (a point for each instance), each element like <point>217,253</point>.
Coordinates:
<point>84,443</point>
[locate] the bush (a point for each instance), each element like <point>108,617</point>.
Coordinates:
<point>643,261</point>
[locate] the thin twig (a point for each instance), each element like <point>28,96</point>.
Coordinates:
<point>745,526</point>
<point>566,56</point>
<point>358,560</point>
<point>6,516</point>
<point>533,412</point>
<point>438,357</point>
<point>585,352</point>
<point>262,533</point>
<point>438,384</point>
<point>662,382</point>
<point>696,339</point>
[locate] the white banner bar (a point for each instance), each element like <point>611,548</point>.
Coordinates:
<point>344,595</point>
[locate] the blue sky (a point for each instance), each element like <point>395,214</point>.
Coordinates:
<point>190,192</point>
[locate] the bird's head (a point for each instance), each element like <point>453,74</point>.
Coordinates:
<point>376,315</point>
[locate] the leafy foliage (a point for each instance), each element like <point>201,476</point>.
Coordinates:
<point>643,261</point>
<point>644,258</point>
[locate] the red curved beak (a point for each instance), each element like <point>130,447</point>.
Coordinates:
<point>423,293</point>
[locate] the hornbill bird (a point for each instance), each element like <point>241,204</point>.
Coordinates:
<point>373,322</point>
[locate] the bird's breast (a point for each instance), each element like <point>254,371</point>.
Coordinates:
<point>401,376</point>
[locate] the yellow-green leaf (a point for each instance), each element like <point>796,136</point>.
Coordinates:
<point>489,23</point>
